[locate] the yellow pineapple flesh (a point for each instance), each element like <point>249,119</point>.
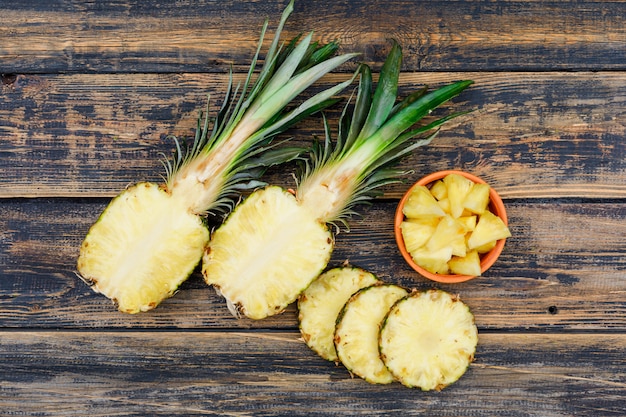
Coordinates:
<point>240,260</point>
<point>428,340</point>
<point>357,331</point>
<point>169,253</point>
<point>449,225</point>
<point>319,306</point>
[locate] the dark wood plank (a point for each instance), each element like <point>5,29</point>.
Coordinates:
<point>531,135</point>
<point>562,269</point>
<point>272,374</point>
<point>153,36</point>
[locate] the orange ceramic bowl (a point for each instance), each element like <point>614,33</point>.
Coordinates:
<point>487,260</point>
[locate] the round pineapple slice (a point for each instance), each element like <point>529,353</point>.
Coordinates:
<point>269,249</point>
<point>357,330</point>
<point>142,223</point>
<point>319,306</point>
<point>428,340</point>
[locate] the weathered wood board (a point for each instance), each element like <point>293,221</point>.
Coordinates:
<point>90,93</point>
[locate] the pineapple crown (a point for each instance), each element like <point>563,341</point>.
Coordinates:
<point>251,115</point>
<point>373,137</point>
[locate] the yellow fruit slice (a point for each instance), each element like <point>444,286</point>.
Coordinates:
<point>421,204</point>
<point>488,229</point>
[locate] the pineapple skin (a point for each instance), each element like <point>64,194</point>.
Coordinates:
<point>141,248</point>
<point>267,252</point>
<point>428,339</point>
<point>357,331</point>
<point>320,304</point>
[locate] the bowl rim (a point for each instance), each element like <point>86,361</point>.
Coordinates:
<point>487,260</point>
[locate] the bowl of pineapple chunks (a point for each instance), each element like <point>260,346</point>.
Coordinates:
<point>451,226</point>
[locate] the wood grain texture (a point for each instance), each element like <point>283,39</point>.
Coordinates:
<point>90,92</point>
<point>275,374</point>
<point>530,135</point>
<point>153,36</point>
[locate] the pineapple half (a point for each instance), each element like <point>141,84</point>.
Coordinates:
<point>428,339</point>
<point>372,137</point>
<point>151,237</point>
<point>320,304</point>
<point>358,328</point>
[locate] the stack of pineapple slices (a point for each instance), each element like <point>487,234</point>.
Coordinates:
<point>383,333</point>
<point>449,225</point>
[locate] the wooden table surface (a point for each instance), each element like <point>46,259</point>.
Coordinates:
<point>90,92</point>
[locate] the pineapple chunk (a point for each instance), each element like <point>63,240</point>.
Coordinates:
<point>469,222</point>
<point>486,247</point>
<point>447,232</point>
<point>428,340</point>
<point>477,199</point>
<point>458,188</point>
<point>422,204</point>
<point>439,190</point>
<point>435,262</point>
<point>444,203</point>
<point>266,253</point>
<point>319,306</point>
<point>488,229</point>
<point>358,328</point>
<point>466,265</point>
<point>416,233</point>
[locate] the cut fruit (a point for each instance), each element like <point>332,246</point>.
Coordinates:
<point>340,174</point>
<point>458,188</point>
<point>319,306</point>
<point>145,244</point>
<point>118,239</point>
<point>428,340</point>
<point>488,229</point>
<point>416,233</point>
<point>422,204</point>
<point>477,200</point>
<point>245,246</point>
<point>358,328</point>
<point>465,204</point>
<point>466,265</point>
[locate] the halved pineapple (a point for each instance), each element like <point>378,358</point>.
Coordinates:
<point>271,225</point>
<point>319,306</point>
<point>428,339</point>
<point>358,328</point>
<point>118,240</point>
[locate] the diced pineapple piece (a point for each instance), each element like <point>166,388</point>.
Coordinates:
<point>486,247</point>
<point>489,228</point>
<point>416,233</point>
<point>445,204</point>
<point>448,230</point>
<point>439,190</point>
<point>421,204</point>
<point>467,265</point>
<point>469,222</point>
<point>433,261</point>
<point>458,188</point>
<point>358,328</point>
<point>428,339</point>
<point>319,306</point>
<point>477,199</point>
<point>459,246</point>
